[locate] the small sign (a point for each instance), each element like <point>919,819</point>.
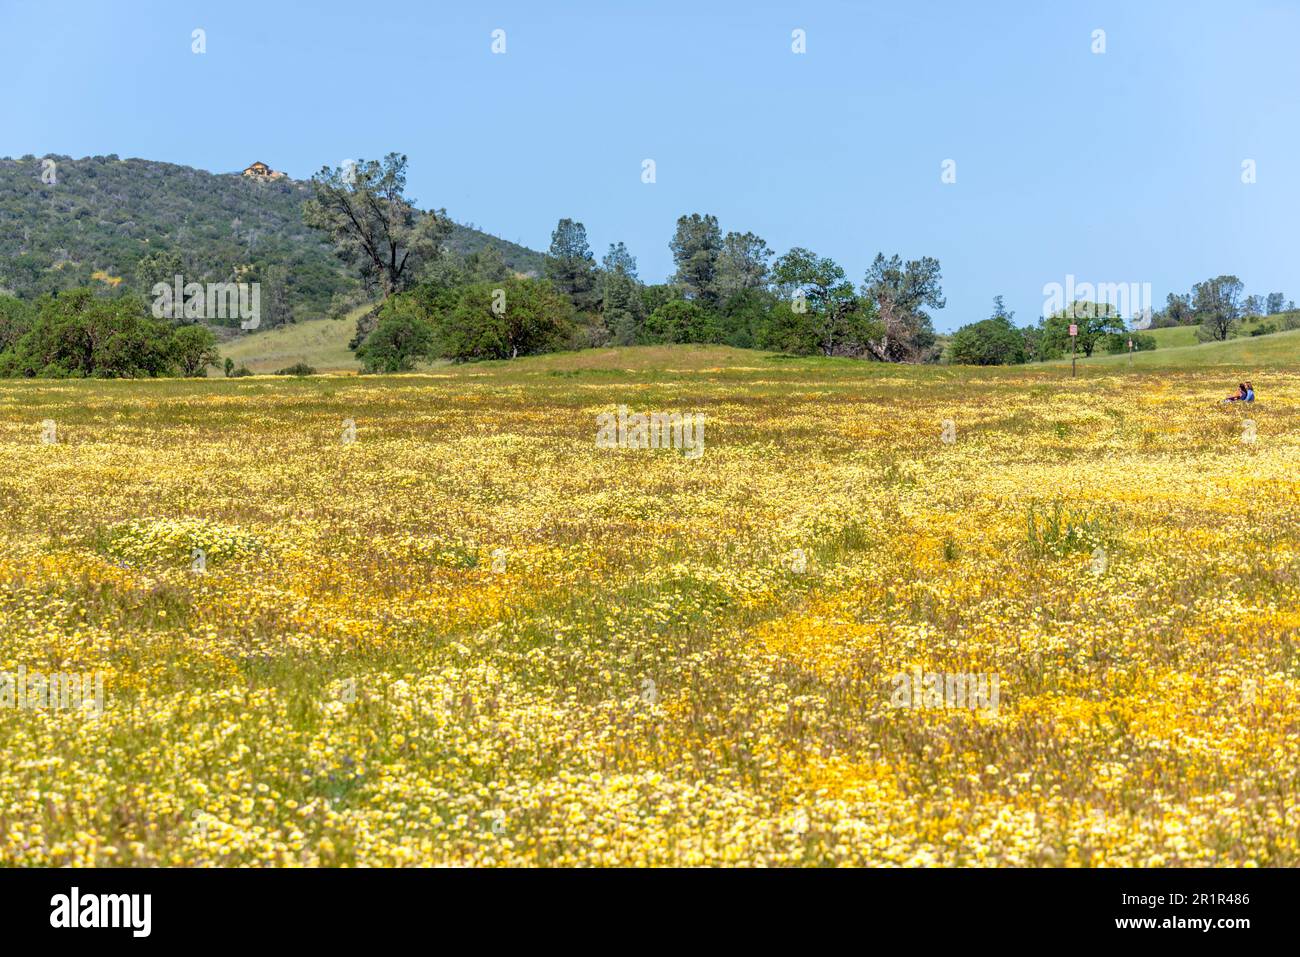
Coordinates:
<point>1074,330</point>
<point>1130,343</point>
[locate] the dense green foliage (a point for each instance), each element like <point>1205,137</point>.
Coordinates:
<point>519,317</point>
<point>16,317</point>
<point>402,337</point>
<point>682,320</point>
<point>825,312</point>
<point>696,246</point>
<point>121,225</point>
<point>483,320</point>
<point>725,291</point>
<point>78,334</point>
<point>991,342</point>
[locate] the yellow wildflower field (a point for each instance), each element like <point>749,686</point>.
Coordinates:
<point>427,620</point>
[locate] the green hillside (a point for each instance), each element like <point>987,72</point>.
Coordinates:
<point>1173,337</point>
<point>1281,349</point>
<point>320,343</point>
<point>101,215</point>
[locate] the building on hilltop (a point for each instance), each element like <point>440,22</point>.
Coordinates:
<point>260,170</point>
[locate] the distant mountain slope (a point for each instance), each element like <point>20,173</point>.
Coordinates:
<point>89,221</point>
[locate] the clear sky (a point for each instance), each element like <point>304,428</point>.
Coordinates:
<point>1124,166</point>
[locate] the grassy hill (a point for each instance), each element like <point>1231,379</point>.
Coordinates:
<point>321,343</point>
<point>1245,353</point>
<point>102,214</point>
<point>1174,337</point>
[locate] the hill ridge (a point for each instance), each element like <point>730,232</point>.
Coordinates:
<point>68,222</point>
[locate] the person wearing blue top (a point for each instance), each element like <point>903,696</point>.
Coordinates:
<point>1245,393</point>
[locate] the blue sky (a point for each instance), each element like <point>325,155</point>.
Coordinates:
<point>1119,167</point>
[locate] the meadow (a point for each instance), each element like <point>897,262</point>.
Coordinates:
<point>459,633</point>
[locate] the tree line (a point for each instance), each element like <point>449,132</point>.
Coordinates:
<point>1216,308</point>
<point>727,288</point>
<point>81,334</point>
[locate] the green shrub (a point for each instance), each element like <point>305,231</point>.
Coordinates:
<point>682,320</point>
<point>75,334</point>
<point>990,342</point>
<point>499,320</point>
<point>402,336</point>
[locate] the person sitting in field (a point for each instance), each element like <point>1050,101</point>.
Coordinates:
<point>1250,393</point>
<point>1242,393</point>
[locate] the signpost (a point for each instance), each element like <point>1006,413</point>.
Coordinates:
<point>1074,339</point>
<point>1130,352</point>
